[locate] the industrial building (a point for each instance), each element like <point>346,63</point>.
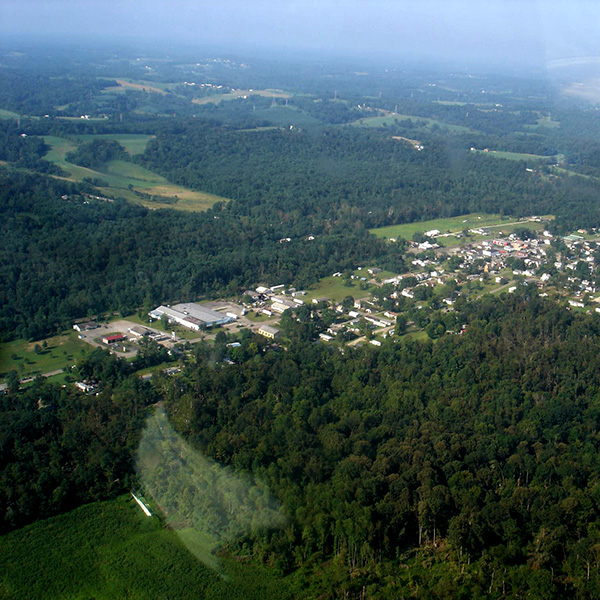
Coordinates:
<point>190,315</point>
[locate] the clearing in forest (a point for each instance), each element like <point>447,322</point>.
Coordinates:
<point>234,94</point>
<point>391,118</point>
<point>130,181</point>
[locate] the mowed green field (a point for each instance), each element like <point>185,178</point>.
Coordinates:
<point>519,155</point>
<point>394,119</point>
<point>455,225</point>
<point>119,175</point>
<point>61,352</point>
<point>110,551</point>
<point>334,289</point>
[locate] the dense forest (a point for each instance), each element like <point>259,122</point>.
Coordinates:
<point>479,452</point>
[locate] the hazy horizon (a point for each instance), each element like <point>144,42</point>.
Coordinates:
<point>528,33</point>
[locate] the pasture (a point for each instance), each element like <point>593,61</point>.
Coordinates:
<point>239,93</point>
<point>123,179</point>
<point>111,550</point>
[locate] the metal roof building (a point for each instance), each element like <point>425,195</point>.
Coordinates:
<point>191,315</point>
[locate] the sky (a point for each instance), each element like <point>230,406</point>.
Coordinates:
<point>512,31</point>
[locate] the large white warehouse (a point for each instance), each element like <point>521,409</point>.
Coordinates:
<point>191,315</point>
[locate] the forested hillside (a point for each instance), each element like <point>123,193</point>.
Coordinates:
<point>456,455</point>
<point>473,460</point>
<point>65,258</point>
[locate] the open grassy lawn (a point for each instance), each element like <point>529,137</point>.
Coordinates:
<point>394,118</point>
<point>134,143</point>
<point>19,355</point>
<point>119,175</point>
<point>456,225</point>
<point>111,550</point>
<point>334,289</point>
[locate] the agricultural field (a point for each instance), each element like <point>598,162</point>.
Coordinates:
<point>61,352</point>
<point>456,225</point>
<point>134,143</point>
<point>138,86</point>
<point>111,550</point>
<point>235,94</point>
<point>395,118</point>
<point>124,178</point>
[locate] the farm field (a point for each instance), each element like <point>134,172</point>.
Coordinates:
<point>234,94</point>
<point>134,143</point>
<point>62,351</point>
<point>456,225</point>
<point>119,175</point>
<point>137,85</point>
<point>111,550</point>
<point>394,118</point>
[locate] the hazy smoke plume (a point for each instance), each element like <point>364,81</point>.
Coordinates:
<point>207,504</point>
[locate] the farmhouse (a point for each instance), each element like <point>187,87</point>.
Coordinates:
<point>190,315</point>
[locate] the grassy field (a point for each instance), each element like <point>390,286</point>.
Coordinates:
<point>518,155</point>
<point>455,225</point>
<point>134,143</point>
<point>111,550</point>
<point>334,289</point>
<point>234,94</point>
<point>137,85</point>
<point>394,118</point>
<point>285,115</point>
<point>62,351</point>
<point>545,121</point>
<point>119,175</point>
<point>8,114</point>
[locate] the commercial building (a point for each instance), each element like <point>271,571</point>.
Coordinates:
<point>114,339</point>
<point>190,315</point>
<point>269,332</point>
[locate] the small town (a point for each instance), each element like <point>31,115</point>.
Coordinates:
<point>370,304</point>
